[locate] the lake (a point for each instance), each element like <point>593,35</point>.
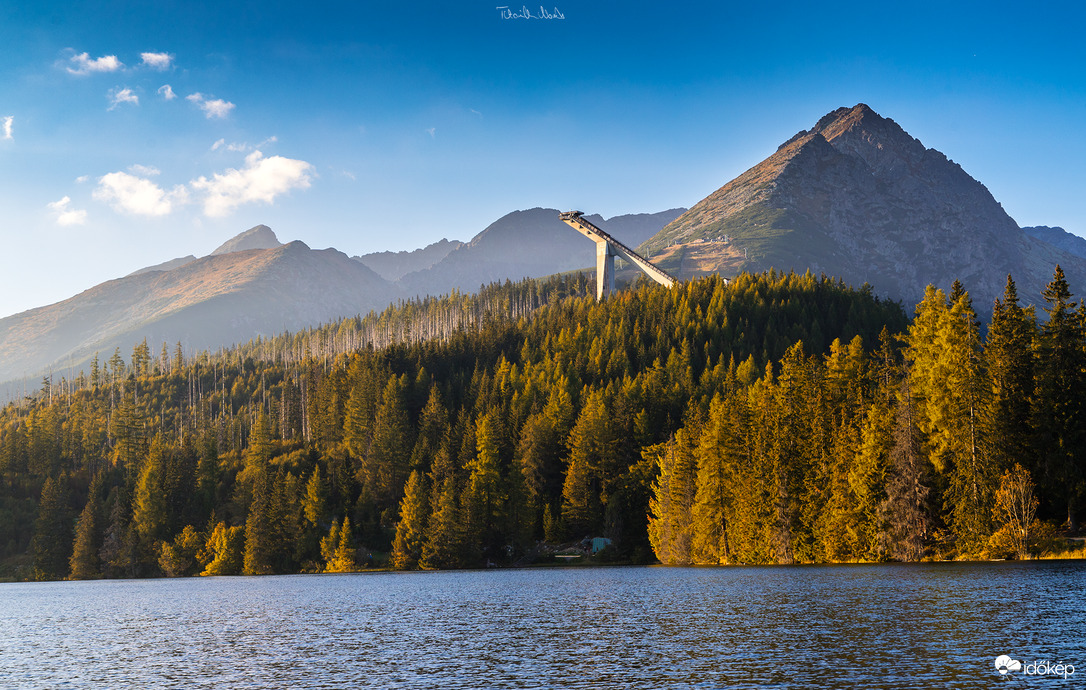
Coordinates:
<point>886,626</point>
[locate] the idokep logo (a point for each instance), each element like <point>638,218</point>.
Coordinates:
<point>1005,664</point>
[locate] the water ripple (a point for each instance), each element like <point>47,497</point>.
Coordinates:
<point>886,626</point>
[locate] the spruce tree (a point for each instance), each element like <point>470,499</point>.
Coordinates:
<point>671,527</point>
<point>343,558</point>
<point>1060,412</point>
<point>224,550</point>
<point>260,544</point>
<point>486,495</point>
<point>411,529</point>
<point>387,463</point>
<point>957,408</point>
<point>719,459</point>
<point>85,562</point>
<point>1009,353</point>
<point>52,541</point>
<point>905,511</point>
<point>444,542</point>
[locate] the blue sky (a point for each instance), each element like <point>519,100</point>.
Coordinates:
<point>370,126</point>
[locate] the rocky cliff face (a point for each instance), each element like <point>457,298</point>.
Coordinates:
<point>858,198</point>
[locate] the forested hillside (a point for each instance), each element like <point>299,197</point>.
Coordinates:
<point>778,418</point>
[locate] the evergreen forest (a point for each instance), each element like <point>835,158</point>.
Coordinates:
<point>775,418</point>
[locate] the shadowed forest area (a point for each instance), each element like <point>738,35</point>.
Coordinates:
<point>779,418</point>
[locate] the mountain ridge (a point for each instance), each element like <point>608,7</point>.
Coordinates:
<point>855,197</point>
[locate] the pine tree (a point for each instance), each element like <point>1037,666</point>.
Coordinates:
<point>52,542</point>
<point>950,389</point>
<point>905,510</point>
<point>1009,355</point>
<point>128,430</point>
<point>433,427</point>
<point>411,530</point>
<point>538,455</point>
<point>593,445</point>
<point>486,497</point>
<point>149,513</point>
<point>719,457</point>
<point>120,555</point>
<point>1060,413</point>
<point>673,492</point>
<point>85,562</point>
<point>443,545</point>
<point>360,410</point>
<point>260,534</point>
<point>343,558</point>
<point>387,464</point>
<point>957,436</point>
<point>224,551</point>
<point>316,497</point>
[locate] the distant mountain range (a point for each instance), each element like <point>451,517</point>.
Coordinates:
<point>527,244</point>
<point>1059,238</point>
<point>205,303</point>
<point>395,265</point>
<point>855,197</point>
<point>254,285</point>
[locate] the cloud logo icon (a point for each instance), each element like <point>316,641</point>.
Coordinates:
<point>1004,664</point>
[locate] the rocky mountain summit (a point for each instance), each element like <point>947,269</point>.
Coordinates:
<point>857,197</point>
<point>258,237</point>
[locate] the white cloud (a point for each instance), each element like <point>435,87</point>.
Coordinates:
<point>431,131</point>
<point>166,91</point>
<point>67,215</point>
<point>136,195</point>
<point>159,61</point>
<point>144,170</point>
<point>242,147</point>
<point>9,125</point>
<point>83,64</point>
<point>81,179</point>
<point>117,96</point>
<point>212,108</point>
<point>262,179</point>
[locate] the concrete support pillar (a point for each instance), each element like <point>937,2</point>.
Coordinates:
<point>605,270</point>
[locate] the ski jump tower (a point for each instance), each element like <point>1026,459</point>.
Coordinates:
<point>607,248</point>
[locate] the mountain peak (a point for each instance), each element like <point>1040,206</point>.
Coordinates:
<point>259,237</point>
<point>834,123</point>
<point>858,197</point>
<point>879,141</point>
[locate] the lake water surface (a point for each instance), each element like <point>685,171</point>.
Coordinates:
<point>870,626</point>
